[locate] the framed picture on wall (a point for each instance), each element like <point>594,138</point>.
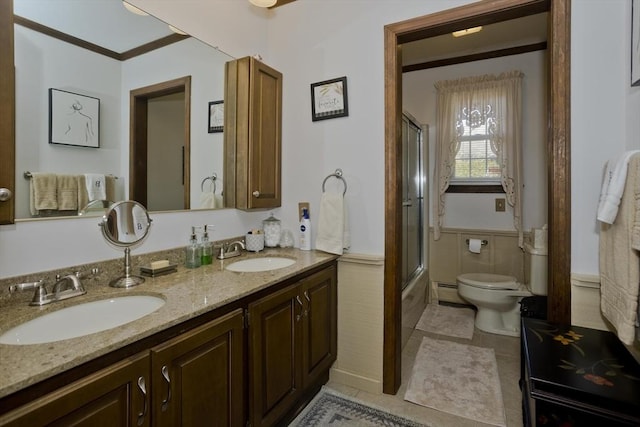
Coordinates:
<point>329,99</point>
<point>635,43</point>
<point>216,116</point>
<point>74,119</point>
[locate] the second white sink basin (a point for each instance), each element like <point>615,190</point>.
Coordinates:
<point>253,265</point>
<point>82,319</point>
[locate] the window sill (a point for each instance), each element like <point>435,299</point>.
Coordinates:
<point>475,189</point>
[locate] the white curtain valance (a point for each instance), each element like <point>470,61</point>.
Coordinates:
<point>503,93</point>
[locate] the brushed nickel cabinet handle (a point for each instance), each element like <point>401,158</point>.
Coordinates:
<point>165,375</point>
<point>143,389</point>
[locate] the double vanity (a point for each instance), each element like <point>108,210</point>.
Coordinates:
<point>245,340</point>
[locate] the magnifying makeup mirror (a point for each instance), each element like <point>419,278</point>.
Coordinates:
<point>125,224</point>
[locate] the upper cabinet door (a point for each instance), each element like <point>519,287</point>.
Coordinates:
<point>7,114</point>
<point>253,135</point>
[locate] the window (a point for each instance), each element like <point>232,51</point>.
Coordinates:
<point>476,159</point>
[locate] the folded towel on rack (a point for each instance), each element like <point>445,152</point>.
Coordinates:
<point>333,233</point>
<point>110,187</point>
<point>612,187</point>
<point>207,200</point>
<point>218,201</point>
<point>43,192</point>
<point>96,186</point>
<point>67,192</point>
<point>619,262</point>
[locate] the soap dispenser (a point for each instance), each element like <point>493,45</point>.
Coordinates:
<point>206,248</point>
<point>192,251</point>
<point>305,231</point>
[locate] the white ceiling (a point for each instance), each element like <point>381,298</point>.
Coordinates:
<point>516,32</point>
<point>103,22</point>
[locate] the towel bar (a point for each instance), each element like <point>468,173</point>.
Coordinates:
<point>29,175</point>
<point>337,174</point>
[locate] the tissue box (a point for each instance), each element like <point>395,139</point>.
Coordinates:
<point>539,238</point>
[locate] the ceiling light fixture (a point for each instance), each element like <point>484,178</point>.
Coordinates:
<point>131,8</point>
<point>466,32</point>
<point>263,3</point>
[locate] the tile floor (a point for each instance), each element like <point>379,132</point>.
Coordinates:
<point>507,351</point>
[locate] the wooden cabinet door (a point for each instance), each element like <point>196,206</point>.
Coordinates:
<point>117,396</point>
<point>253,134</point>
<point>265,124</point>
<point>319,348</point>
<point>198,376</point>
<point>7,112</point>
<point>275,379</point>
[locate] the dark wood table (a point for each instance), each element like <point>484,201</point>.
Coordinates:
<point>573,376</point>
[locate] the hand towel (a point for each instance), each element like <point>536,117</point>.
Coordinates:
<point>43,192</point>
<point>110,188</point>
<point>620,263</point>
<point>331,224</point>
<point>612,187</point>
<point>218,201</point>
<point>96,186</point>
<point>207,200</point>
<point>67,192</point>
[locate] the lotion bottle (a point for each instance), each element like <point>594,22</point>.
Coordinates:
<point>305,231</point>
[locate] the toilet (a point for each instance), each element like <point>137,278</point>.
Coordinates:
<point>496,296</point>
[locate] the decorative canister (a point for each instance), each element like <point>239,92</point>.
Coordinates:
<point>271,228</point>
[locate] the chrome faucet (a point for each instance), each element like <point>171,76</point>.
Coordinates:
<point>65,287</point>
<point>230,250</point>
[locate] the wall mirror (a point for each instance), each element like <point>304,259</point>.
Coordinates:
<point>100,50</point>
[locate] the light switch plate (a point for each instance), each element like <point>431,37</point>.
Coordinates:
<point>500,205</point>
<point>302,205</point>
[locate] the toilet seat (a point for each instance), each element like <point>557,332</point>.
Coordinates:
<point>489,281</point>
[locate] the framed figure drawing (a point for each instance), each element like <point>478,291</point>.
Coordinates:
<point>74,119</point>
<point>329,99</point>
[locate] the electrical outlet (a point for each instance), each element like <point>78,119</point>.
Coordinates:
<point>302,205</point>
<point>500,205</point>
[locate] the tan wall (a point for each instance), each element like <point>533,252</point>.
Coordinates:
<point>450,256</point>
<point>360,322</point>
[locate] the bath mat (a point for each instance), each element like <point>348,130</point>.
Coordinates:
<point>330,408</point>
<point>445,320</point>
<point>458,379</point>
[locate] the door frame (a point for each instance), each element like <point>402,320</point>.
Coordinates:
<point>558,152</point>
<point>138,110</point>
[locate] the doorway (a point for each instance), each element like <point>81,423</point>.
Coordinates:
<point>151,156</point>
<point>559,215</point>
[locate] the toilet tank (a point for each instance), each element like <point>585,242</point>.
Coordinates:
<point>535,269</point>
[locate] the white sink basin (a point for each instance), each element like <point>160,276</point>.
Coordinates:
<point>253,265</point>
<point>82,319</point>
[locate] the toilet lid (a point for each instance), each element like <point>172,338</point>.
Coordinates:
<point>489,281</point>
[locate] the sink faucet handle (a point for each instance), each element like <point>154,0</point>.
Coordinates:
<point>26,286</point>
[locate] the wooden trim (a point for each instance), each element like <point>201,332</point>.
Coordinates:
<point>7,112</point>
<point>131,53</point>
<point>479,13</point>
<point>517,50</point>
<point>480,189</point>
<point>139,99</point>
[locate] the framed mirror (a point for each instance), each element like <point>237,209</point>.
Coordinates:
<point>102,51</point>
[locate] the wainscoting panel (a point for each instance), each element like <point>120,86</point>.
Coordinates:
<point>360,322</point>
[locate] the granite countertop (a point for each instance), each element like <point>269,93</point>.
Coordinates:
<point>188,293</point>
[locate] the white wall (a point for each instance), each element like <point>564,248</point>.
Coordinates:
<point>313,40</point>
<point>477,211</point>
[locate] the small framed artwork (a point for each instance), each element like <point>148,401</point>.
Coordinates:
<point>635,43</point>
<point>329,99</point>
<point>74,119</point>
<point>216,116</point>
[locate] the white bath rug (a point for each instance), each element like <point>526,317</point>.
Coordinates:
<point>458,379</point>
<point>445,320</point>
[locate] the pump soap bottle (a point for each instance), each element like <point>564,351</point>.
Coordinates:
<point>305,231</point>
<point>192,251</point>
<point>206,255</point>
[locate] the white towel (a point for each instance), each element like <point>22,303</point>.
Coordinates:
<point>333,233</point>
<point>96,186</point>
<point>615,176</point>
<point>207,200</point>
<point>218,201</point>
<point>619,263</point>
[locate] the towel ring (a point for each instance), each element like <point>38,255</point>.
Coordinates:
<point>337,174</point>
<point>213,179</point>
